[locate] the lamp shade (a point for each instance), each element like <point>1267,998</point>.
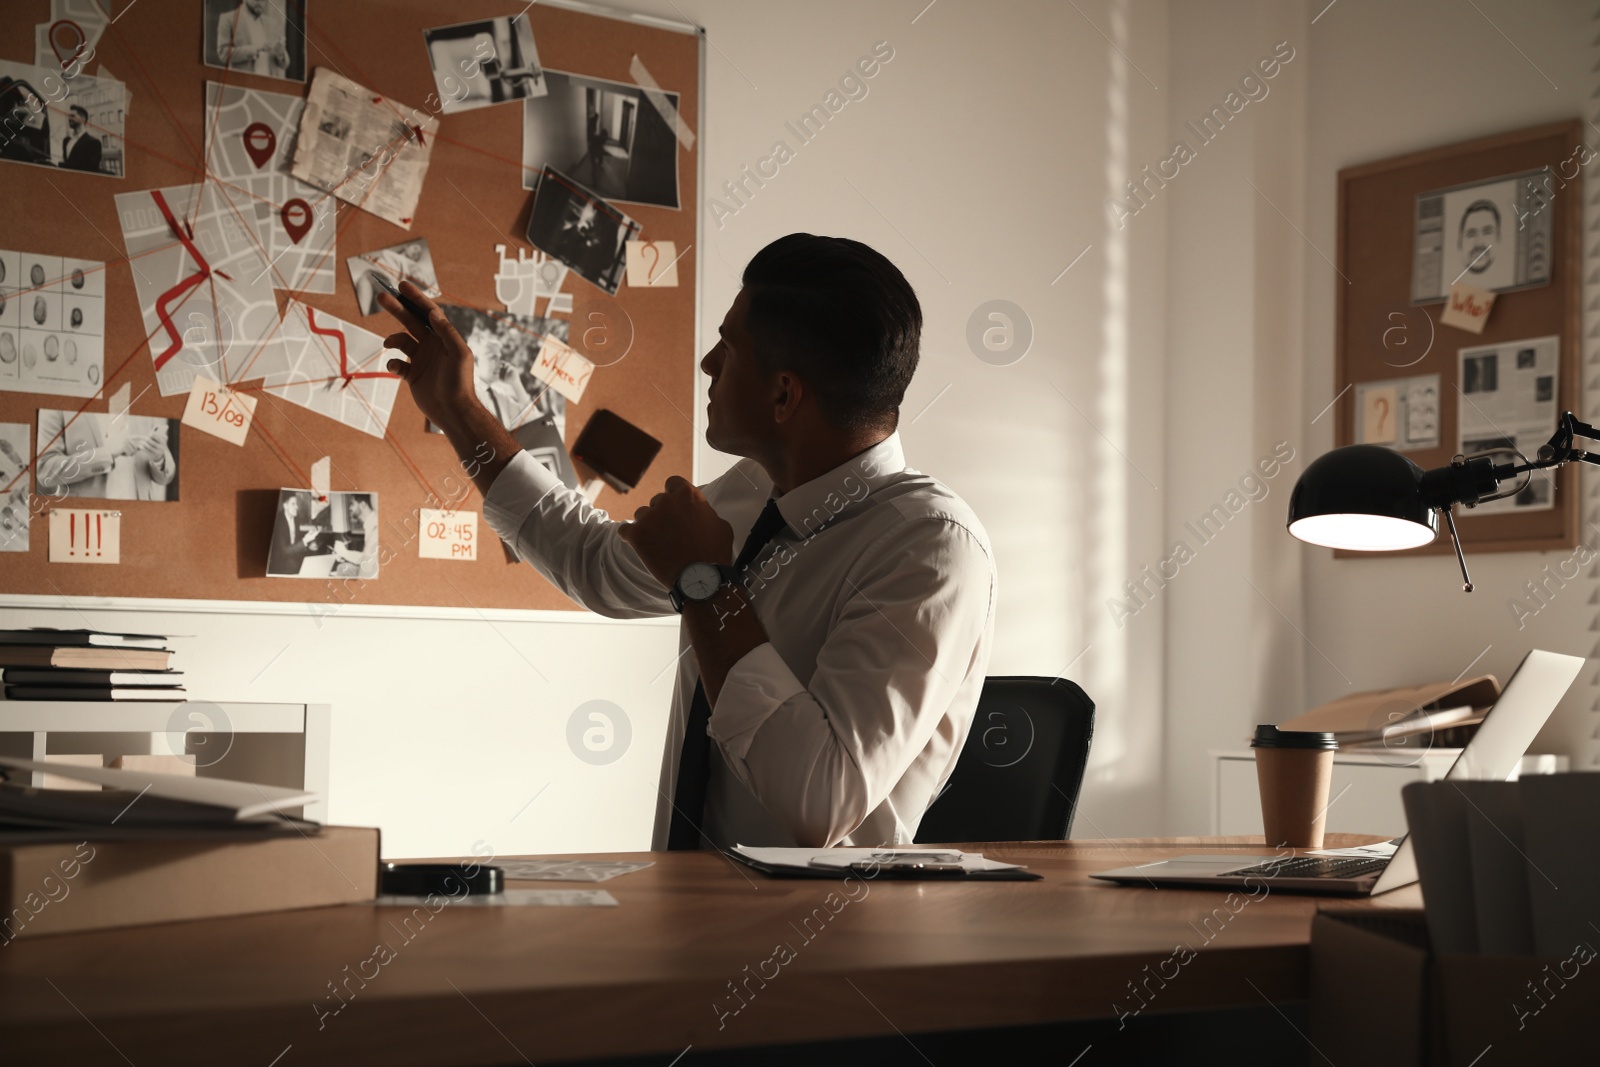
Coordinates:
<point>1365,498</point>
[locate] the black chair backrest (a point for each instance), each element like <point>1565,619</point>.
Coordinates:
<point>1022,766</point>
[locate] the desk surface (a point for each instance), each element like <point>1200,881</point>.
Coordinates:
<point>658,973</point>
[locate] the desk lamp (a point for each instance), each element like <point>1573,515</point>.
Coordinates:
<point>1368,498</point>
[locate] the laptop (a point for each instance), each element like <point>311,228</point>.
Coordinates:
<point>1492,754</point>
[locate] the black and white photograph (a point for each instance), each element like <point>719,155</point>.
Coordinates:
<point>66,123</point>
<point>542,440</point>
<point>581,230</point>
<point>262,37</point>
<point>410,262</point>
<point>99,456</point>
<point>15,507</point>
<point>1508,400</point>
<point>324,535</point>
<point>604,133</point>
<point>478,64</point>
<point>1494,235</point>
<point>504,347</point>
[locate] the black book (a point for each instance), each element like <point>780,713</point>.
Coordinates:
<point>45,635</point>
<point>79,676</point>
<point>94,692</point>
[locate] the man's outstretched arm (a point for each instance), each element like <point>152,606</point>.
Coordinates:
<point>439,367</point>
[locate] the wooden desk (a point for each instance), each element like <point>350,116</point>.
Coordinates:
<point>497,985</point>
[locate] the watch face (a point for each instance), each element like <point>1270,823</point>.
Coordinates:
<point>700,581</point>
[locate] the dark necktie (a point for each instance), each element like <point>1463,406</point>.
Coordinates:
<point>694,761</point>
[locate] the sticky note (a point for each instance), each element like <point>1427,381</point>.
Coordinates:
<point>219,411</point>
<point>653,263</point>
<point>448,534</point>
<point>1467,308</point>
<point>566,372</point>
<point>85,536</point>
<point>1378,415</point>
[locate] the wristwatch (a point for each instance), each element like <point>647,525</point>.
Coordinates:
<point>699,582</point>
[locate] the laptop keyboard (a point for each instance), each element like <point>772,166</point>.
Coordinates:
<point>1315,867</point>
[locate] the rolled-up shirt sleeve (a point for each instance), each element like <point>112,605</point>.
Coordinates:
<point>821,755</point>
<point>570,542</point>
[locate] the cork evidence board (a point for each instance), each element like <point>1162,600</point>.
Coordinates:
<point>79,259</point>
<point>1409,228</point>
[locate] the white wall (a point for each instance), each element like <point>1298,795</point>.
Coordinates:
<point>1233,388</point>
<point>979,162</point>
<point>1388,79</point>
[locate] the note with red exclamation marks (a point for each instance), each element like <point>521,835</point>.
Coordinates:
<point>83,536</point>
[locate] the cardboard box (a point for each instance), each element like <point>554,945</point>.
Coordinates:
<point>63,886</point>
<point>1380,998</point>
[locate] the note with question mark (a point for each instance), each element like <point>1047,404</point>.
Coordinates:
<point>653,264</point>
<point>1377,415</point>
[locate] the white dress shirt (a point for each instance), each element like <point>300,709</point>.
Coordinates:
<point>878,602</point>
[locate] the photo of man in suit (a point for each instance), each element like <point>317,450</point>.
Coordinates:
<point>92,454</point>
<point>80,149</point>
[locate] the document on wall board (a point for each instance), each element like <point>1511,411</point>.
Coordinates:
<point>364,148</point>
<point>1507,399</point>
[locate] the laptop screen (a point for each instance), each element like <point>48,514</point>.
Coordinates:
<point>1501,740</point>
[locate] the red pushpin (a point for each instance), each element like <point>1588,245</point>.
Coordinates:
<point>259,143</point>
<point>296,215</point>
<point>73,51</point>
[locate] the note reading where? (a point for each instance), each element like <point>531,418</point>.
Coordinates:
<point>562,368</point>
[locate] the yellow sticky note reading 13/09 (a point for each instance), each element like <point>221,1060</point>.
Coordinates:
<point>219,411</point>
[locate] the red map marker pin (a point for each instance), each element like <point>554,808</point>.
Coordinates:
<point>259,143</point>
<point>296,215</point>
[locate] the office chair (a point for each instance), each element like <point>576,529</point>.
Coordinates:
<point>1022,766</point>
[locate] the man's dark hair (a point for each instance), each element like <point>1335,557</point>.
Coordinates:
<point>843,318</point>
<point>81,111</point>
<point>1477,205</point>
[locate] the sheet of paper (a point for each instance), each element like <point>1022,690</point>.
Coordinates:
<point>513,898</point>
<point>1402,413</point>
<point>844,857</point>
<point>203,288</point>
<point>41,129</point>
<point>322,477</point>
<point>653,263</point>
<point>568,870</point>
<point>364,148</point>
<point>1467,308</point>
<point>219,411</point>
<point>448,535</point>
<point>1495,234</point>
<point>16,458</point>
<point>1507,399</point>
<point>490,61</point>
<point>334,368</point>
<point>520,283</point>
<point>80,536</point>
<point>563,369</point>
<point>249,145</point>
<point>71,34</point>
<point>1378,405</point>
<point>52,324</point>
<point>411,262</point>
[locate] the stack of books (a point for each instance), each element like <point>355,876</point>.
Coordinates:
<point>49,664</point>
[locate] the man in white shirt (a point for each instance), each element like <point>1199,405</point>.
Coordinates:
<point>244,41</point>
<point>834,678</point>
